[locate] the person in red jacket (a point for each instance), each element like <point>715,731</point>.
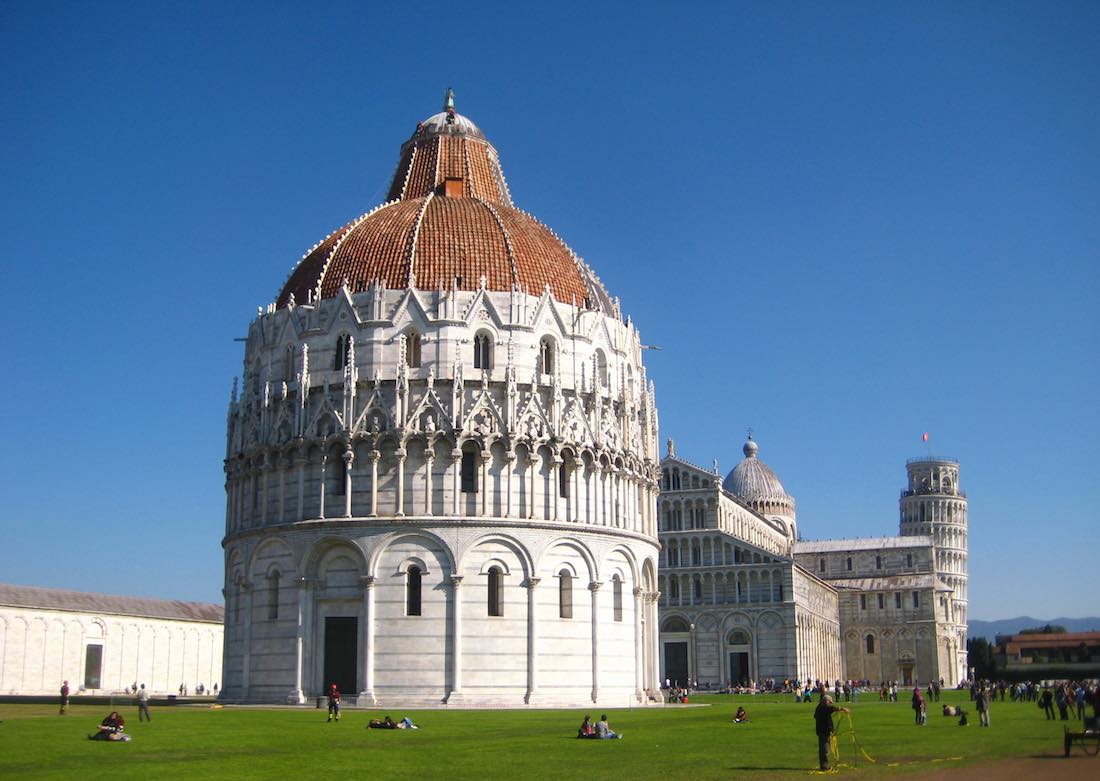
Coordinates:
<point>333,702</point>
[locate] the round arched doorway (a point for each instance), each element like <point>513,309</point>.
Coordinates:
<point>739,656</point>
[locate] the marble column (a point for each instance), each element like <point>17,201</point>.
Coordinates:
<point>282,489</point>
<point>555,488</point>
<point>245,596</point>
<point>302,636</point>
<point>367,695</point>
<point>321,506</point>
<point>301,459</point>
<point>456,639</point>
<point>639,680</point>
<point>510,468</point>
<point>594,587</point>
<point>399,504</point>
<point>532,461</point>
<point>349,459</point>
<point>483,487</point>
<point>456,480</point>
<point>429,460</point>
<point>532,642</point>
<point>375,457</point>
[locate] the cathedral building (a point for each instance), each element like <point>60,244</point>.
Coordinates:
<point>743,597</point>
<point>442,464</point>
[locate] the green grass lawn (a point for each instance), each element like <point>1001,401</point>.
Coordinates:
<point>668,742</point>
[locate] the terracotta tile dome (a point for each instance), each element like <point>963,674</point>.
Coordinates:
<point>449,219</point>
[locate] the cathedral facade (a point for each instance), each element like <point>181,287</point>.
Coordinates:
<point>442,465</point>
<point>744,598</point>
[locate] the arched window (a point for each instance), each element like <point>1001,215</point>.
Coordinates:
<point>674,589</point>
<point>565,594</point>
<point>343,352</point>
<point>565,468</point>
<point>601,369</point>
<point>273,595</point>
<point>469,469</point>
<point>870,644</point>
<point>412,350</point>
<point>496,592</point>
<point>738,637</point>
<point>675,625</point>
<point>482,354</point>
<point>288,365</point>
<point>848,563</point>
<point>412,590</point>
<point>617,597</point>
<point>698,589</point>
<point>664,475</point>
<point>546,355</point>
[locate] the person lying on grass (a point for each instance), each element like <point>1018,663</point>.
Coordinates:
<point>388,723</point>
<point>111,728</point>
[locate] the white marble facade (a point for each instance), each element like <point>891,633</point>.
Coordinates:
<point>336,486</point>
<point>443,494</point>
<point>742,598</point>
<point>102,644</point>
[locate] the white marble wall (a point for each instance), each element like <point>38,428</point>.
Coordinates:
<point>41,648</point>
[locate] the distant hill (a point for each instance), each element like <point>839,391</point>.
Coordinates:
<point>1010,626</point>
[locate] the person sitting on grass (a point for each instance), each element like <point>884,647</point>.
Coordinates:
<point>604,731</point>
<point>587,729</point>
<point>741,716</point>
<point>111,728</point>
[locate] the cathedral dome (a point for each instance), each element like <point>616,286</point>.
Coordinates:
<point>754,482</point>
<point>448,221</point>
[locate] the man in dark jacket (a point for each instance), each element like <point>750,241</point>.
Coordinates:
<point>823,716</point>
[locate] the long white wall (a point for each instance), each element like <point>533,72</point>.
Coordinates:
<point>41,648</point>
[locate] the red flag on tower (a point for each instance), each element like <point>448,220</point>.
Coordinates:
<point>924,436</point>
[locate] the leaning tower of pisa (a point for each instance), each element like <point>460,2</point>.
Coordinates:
<point>934,505</point>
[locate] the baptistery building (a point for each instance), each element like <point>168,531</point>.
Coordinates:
<point>441,466</point>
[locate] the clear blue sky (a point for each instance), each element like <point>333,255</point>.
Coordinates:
<point>845,223</point>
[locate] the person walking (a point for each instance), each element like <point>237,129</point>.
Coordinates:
<point>981,702</point>
<point>64,698</point>
<point>823,718</point>
<point>143,704</point>
<point>333,702</point>
<point>1046,702</point>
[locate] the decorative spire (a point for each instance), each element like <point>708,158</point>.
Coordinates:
<point>449,100</point>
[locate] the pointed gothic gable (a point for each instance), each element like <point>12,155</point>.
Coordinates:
<point>342,316</point>
<point>574,426</point>
<point>532,417</point>
<point>375,412</point>
<point>317,424</point>
<point>283,428</point>
<point>546,316</point>
<point>483,310</point>
<point>430,402</point>
<point>599,335</point>
<point>410,310</point>
<point>484,417</point>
